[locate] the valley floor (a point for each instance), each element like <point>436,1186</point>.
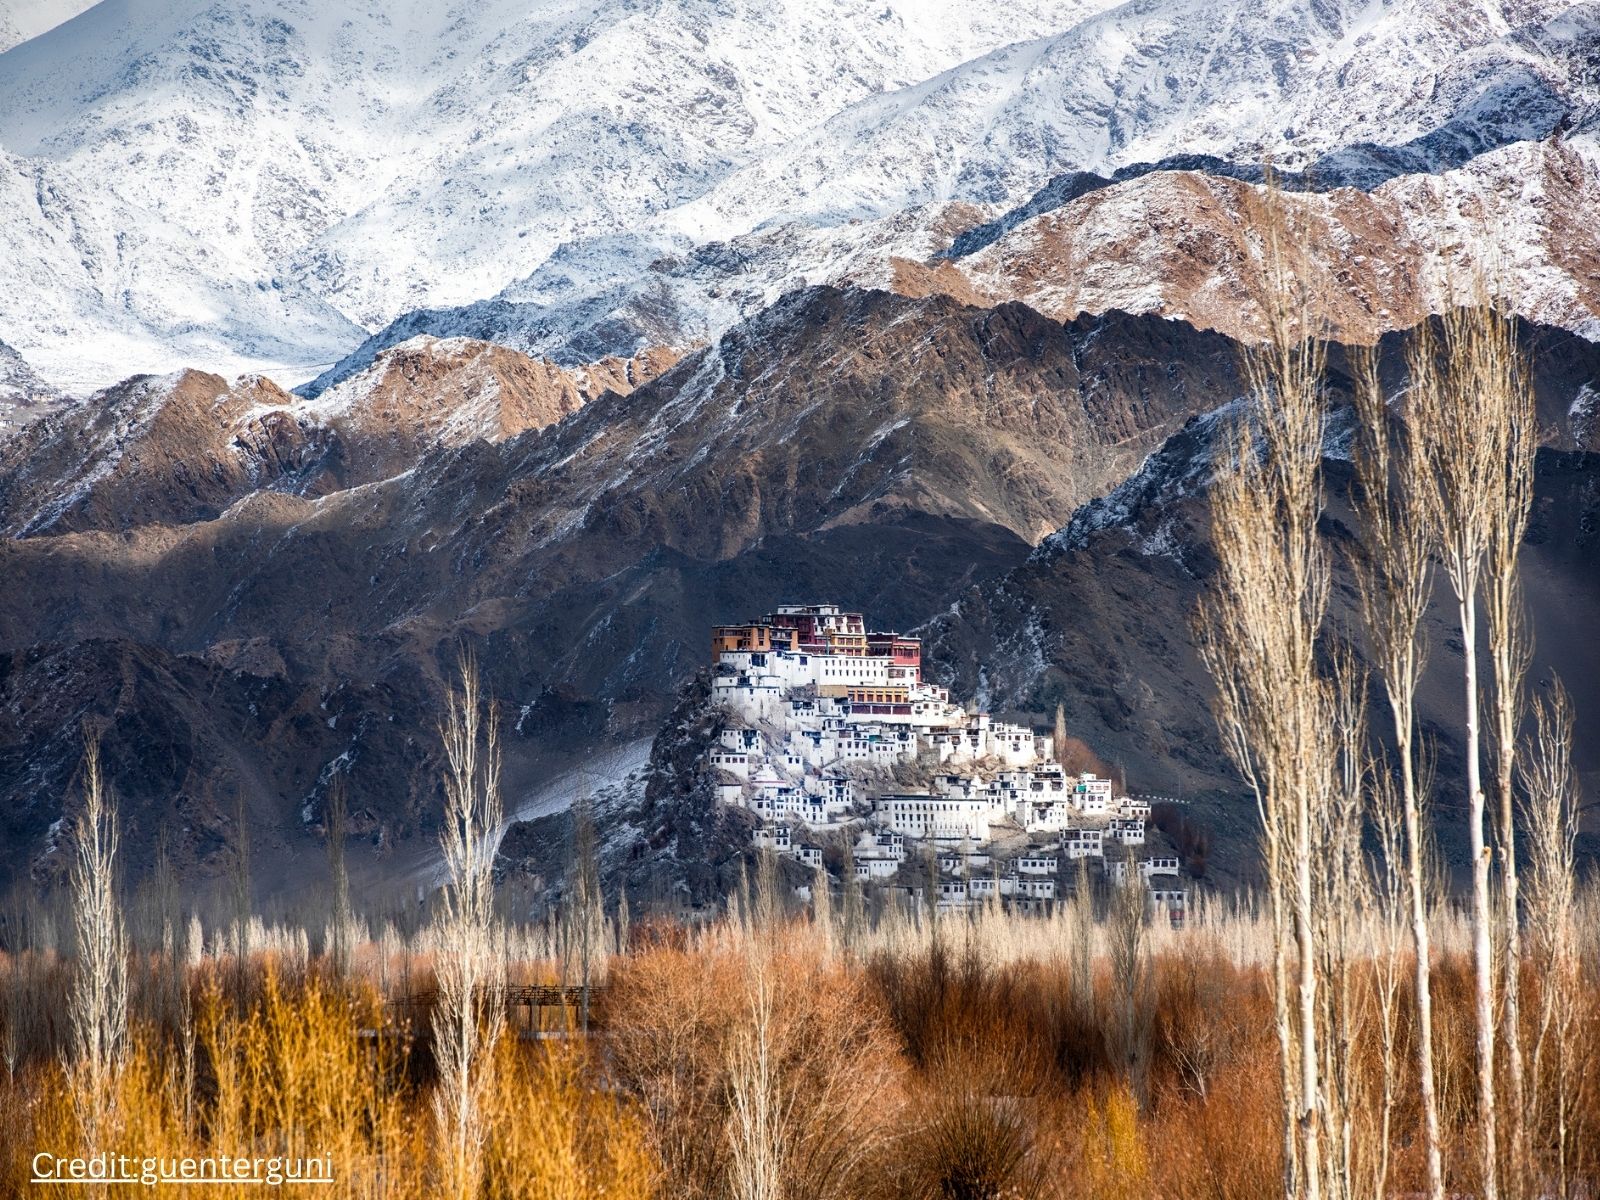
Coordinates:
<point>827,1053</point>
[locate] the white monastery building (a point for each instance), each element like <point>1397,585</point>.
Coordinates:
<point>821,713</point>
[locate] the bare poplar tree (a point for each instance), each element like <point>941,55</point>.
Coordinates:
<point>1390,885</point>
<point>1343,904</point>
<point>1510,651</point>
<point>1393,579</point>
<point>852,915</point>
<point>822,911</point>
<point>587,908</point>
<point>241,887</point>
<point>1130,978</point>
<point>1551,800</point>
<point>100,986</point>
<point>1260,627</point>
<point>334,822</point>
<point>1464,399</point>
<point>470,1014</point>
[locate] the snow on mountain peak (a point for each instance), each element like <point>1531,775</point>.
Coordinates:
<point>255,185</point>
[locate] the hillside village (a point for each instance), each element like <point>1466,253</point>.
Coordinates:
<point>825,726</point>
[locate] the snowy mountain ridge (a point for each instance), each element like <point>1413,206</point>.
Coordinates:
<point>259,186</point>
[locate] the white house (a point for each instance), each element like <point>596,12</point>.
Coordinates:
<point>1158,866</point>
<point>1127,830</point>
<point>773,837</point>
<point>1091,794</point>
<point>1083,843</point>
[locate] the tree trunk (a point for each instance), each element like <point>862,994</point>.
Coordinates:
<point>1482,951</point>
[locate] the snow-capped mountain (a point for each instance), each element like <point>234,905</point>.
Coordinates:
<point>24,19</point>
<point>239,184</point>
<point>1187,244</point>
<point>257,181</point>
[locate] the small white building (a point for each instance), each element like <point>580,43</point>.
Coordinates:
<point>734,762</point>
<point>1091,794</point>
<point>774,837</point>
<point>1129,831</point>
<point>1083,843</point>
<point>876,868</point>
<point>1151,867</point>
<point>1037,865</point>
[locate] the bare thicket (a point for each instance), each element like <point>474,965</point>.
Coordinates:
<point>758,1103</point>
<point>1393,579</point>
<point>100,984</point>
<point>1260,629</point>
<point>1469,404</point>
<point>470,1014</point>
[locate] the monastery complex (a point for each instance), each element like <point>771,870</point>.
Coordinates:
<point>823,721</point>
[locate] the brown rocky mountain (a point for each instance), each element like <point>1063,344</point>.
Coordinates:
<point>1187,244</point>
<point>900,456</point>
<point>884,451</point>
<point>1098,618</point>
<point>182,448</point>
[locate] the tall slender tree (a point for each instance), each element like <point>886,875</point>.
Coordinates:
<point>586,910</point>
<point>1260,626</point>
<point>100,984</point>
<point>470,1015</point>
<point>334,821</point>
<point>1465,396</point>
<point>1393,579</point>
<point>1510,651</point>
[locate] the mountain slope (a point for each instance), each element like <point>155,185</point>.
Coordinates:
<point>263,184</point>
<point>184,447</point>
<point>24,19</point>
<point>1188,245</point>
<point>253,183</point>
<point>887,452</point>
<point>1098,619</point>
